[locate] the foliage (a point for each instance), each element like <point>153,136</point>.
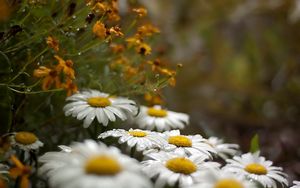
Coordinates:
<point>254,146</point>
<point>51,48</point>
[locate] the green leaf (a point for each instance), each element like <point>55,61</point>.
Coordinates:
<point>254,147</point>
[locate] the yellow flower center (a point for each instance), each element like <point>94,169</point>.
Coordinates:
<point>102,165</point>
<point>99,102</point>
<point>228,183</point>
<point>255,168</point>
<point>181,165</point>
<point>157,112</point>
<point>137,133</point>
<point>180,141</point>
<point>25,138</point>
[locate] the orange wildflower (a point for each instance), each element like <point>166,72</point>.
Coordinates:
<point>132,41</point>
<point>110,9</point>
<point>53,77</point>
<point>160,66</point>
<point>115,5</point>
<point>3,183</point>
<point>42,71</point>
<point>130,71</point>
<point>52,43</point>
<point>5,10</point>
<point>49,76</point>
<point>172,81</point>
<point>113,15</point>
<point>156,64</point>
<point>166,71</point>
<point>113,12</point>
<point>141,12</point>
<point>116,31</point>
<point>117,48</point>
<point>170,73</point>
<point>179,65</point>
<point>99,30</point>
<point>153,99</point>
<point>70,86</point>
<point>143,49</point>
<point>65,66</point>
<point>147,30</point>
<point>100,7</point>
<point>20,170</point>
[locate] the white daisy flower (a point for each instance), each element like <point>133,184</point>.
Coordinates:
<point>187,144</point>
<point>26,141</point>
<point>142,139</point>
<point>160,119</point>
<point>257,168</point>
<point>222,179</point>
<point>296,184</point>
<point>92,104</point>
<point>65,148</point>
<point>224,150</point>
<point>52,160</point>
<point>92,165</point>
<point>171,168</point>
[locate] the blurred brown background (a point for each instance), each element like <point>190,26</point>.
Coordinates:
<point>241,72</point>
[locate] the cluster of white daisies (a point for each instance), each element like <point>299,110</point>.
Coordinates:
<point>169,159</point>
<point>92,104</point>
<point>164,159</point>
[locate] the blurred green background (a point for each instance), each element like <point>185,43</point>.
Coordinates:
<point>241,72</point>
